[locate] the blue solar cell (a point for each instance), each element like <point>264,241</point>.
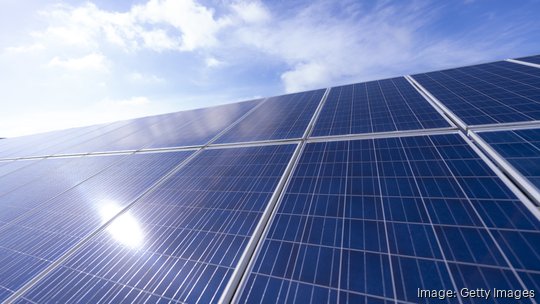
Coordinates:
<point>188,128</point>
<point>531,59</point>
<point>280,117</point>
<point>52,142</point>
<point>499,92</point>
<point>183,240</point>
<point>49,227</point>
<point>521,148</point>
<point>376,106</point>
<point>381,218</point>
<point>202,125</point>
<point>41,180</point>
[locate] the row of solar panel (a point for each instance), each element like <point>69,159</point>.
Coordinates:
<point>419,207</point>
<point>365,220</point>
<point>499,92</point>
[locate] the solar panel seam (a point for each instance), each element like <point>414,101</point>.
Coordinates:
<point>404,133</point>
<point>237,280</point>
<point>505,126</point>
<point>237,121</point>
<point>522,182</point>
<point>493,99</point>
<point>534,65</point>
<point>21,291</point>
<point>453,120</point>
<point>453,117</point>
<point>508,183</point>
<point>504,89</point>
<point>37,208</point>
<point>316,115</point>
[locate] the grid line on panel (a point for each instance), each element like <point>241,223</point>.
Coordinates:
<point>376,106</point>
<point>455,269</point>
<point>46,235</point>
<point>239,120</point>
<point>39,139</point>
<point>484,224</point>
<point>183,188</point>
<point>515,155</point>
<point>281,117</point>
<point>37,278</point>
<point>38,208</point>
<point>498,92</point>
<point>378,177</point>
<point>436,103</point>
<point>238,278</point>
<point>179,130</point>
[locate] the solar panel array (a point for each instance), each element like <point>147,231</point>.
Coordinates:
<point>394,190</point>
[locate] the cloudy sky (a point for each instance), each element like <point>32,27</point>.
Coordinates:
<point>73,63</point>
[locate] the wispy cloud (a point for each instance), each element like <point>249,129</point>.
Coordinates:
<point>186,53</point>
<point>137,77</point>
<point>90,62</point>
<point>320,44</point>
<point>25,48</point>
<point>182,25</point>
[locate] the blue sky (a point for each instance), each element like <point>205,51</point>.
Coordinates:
<point>73,63</point>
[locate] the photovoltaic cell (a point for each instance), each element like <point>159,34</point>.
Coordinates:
<point>376,106</point>
<point>40,180</point>
<point>187,128</point>
<point>531,59</point>
<point>280,117</point>
<point>521,148</point>
<point>202,125</point>
<point>190,233</point>
<point>51,142</point>
<point>51,226</point>
<point>374,220</point>
<point>498,92</point>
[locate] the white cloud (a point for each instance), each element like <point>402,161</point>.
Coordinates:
<point>90,62</point>
<point>212,62</point>
<point>159,25</point>
<point>25,48</point>
<point>145,78</point>
<point>251,12</point>
<point>134,101</point>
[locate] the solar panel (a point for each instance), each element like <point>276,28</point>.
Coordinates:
<point>53,142</point>
<point>202,125</point>
<point>187,128</point>
<point>498,92</point>
<point>281,117</point>
<point>388,218</point>
<point>521,148</point>
<point>192,231</point>
<point>376,220</point>
<point>376,106</point>
<point>48,228</point>
<point>531,59</point>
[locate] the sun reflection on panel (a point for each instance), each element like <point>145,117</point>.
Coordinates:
<point>125,229</point>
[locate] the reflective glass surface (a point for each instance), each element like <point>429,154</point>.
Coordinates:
<point>376,220</point>
<point>376,106</point>
<point>498,92</point>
